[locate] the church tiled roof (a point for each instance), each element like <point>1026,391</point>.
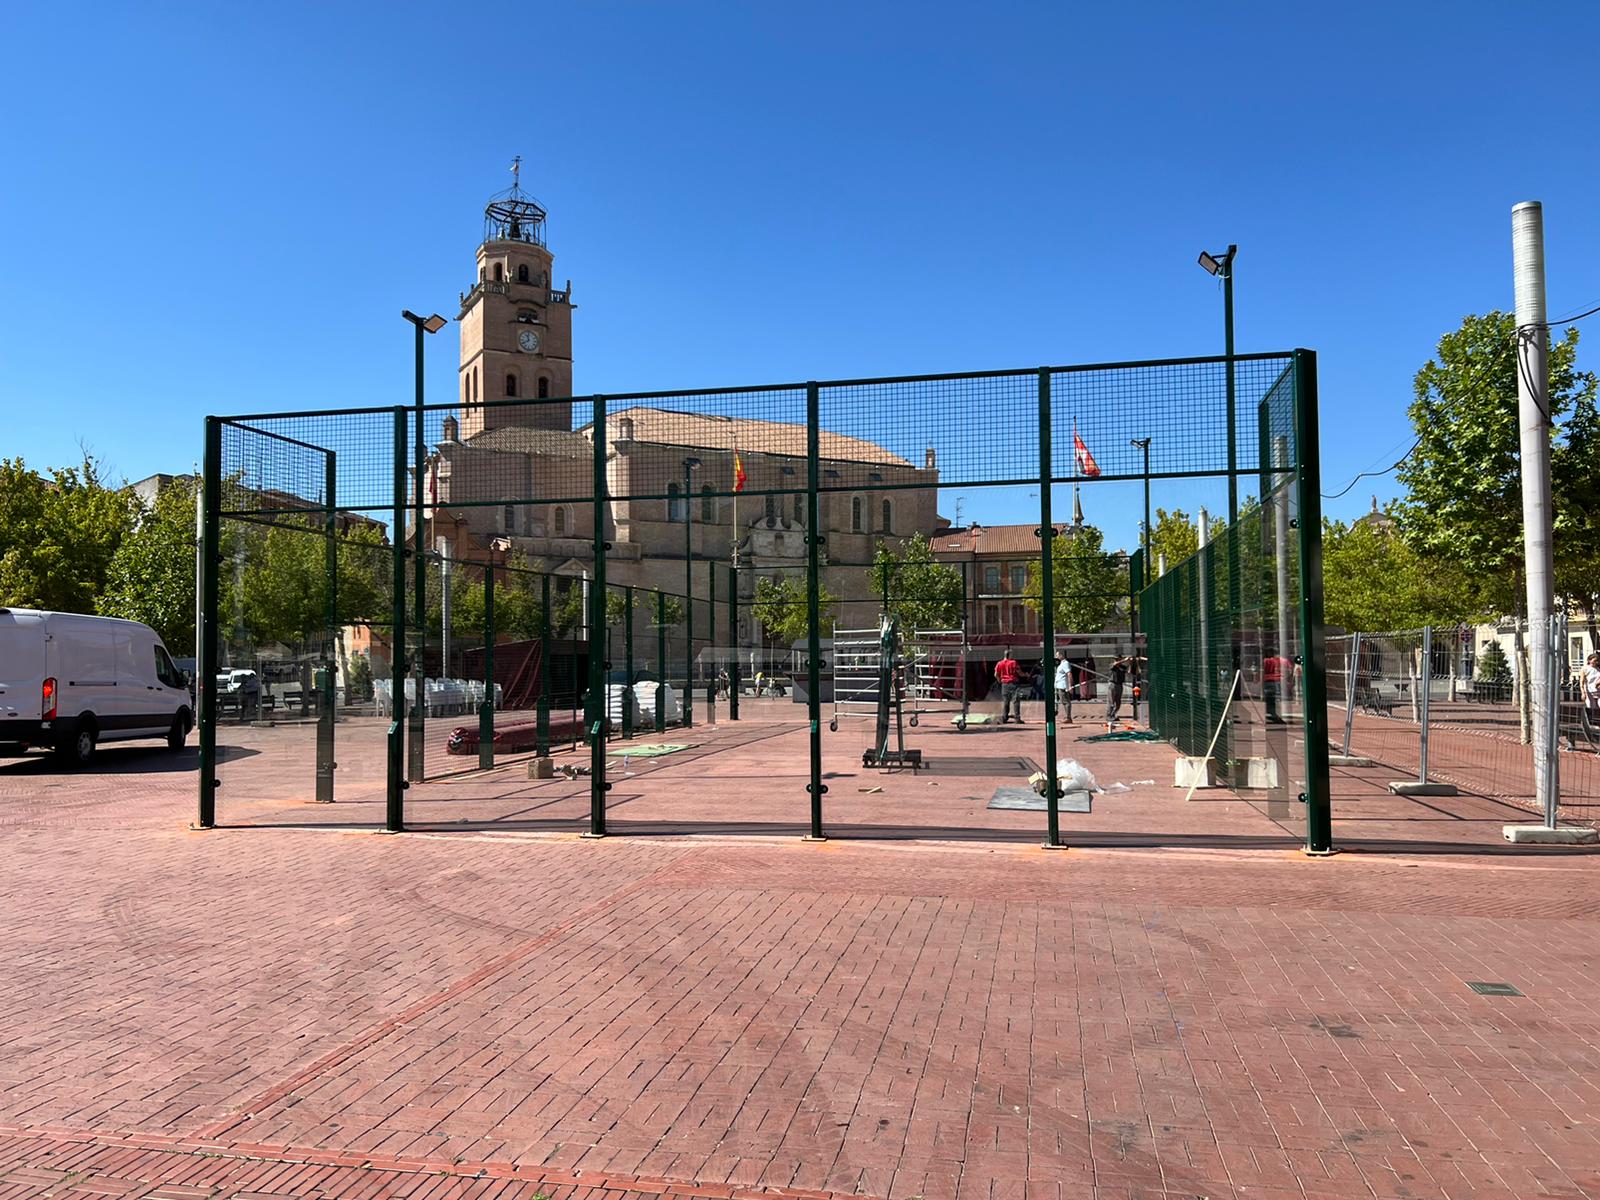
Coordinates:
<point>751,436</point>
<point>518,439</point>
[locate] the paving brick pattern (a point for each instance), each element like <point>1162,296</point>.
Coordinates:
<point>313,1011</point>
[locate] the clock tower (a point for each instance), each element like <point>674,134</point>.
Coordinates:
<point>516,326</point>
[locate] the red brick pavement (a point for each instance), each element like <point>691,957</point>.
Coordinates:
<point>317,1011</point>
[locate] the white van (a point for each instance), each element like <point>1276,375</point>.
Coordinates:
<point>68,681</point>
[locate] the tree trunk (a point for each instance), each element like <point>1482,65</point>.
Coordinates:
<point>1524,716</point>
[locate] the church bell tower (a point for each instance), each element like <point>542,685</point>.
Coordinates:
<point>516,326</point>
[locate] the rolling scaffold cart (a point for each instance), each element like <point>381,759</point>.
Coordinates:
<point>881,673</point>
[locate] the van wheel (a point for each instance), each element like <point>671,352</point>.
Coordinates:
<point>178,733</point>
<point>79,749</point>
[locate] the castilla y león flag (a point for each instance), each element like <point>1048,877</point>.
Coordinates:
<point>738,472</point>
<point>1087,467</point>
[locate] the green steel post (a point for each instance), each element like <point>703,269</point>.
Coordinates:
<point>1233,459</point>
<point>330,590</point>
<point>1047,612</point>
<point>599,701</point>
<point>733,641</point>
<point>205,684</point>
<point>661,661</point>
<point>486,705</point>
<point>688,601</point>
<point>416,768</point>
<point>711,640</point>
<point>394,807</point>
<point>542,719</point>
<point>627,664</point>
<point>1313,650</point>
<point>814,604</point>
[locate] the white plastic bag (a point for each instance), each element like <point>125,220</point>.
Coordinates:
<point>1073,776</point>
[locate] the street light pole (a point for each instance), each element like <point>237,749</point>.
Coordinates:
<point>414,767</point>
<point>1222,268</point>
<point>1144,445</point>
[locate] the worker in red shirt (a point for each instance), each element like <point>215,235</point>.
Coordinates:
<point>1008,673</point>
<point>1273,667</point>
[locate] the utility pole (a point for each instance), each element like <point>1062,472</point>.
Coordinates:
<point>1533,421</point>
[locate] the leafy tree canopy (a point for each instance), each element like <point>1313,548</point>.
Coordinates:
<point>921,592</point>
<point>780,607</point>
<point>1087,584</point>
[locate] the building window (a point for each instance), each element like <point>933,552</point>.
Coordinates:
<point>1018,621</point>
<point>770,510</point>
<point>677,510</point>
<point>558,520</point>
<point>474,385</point>
<point>888,515</point>
<point>511,385</point>
<point>1019,577</point>
<point>499,273</point>
<point>544,387</point>
<point>855,514</point>
<point>799,509</point>
<point>991,618</point>
<point>527,317</point>
<point>509,518</point>
<point>991,580</point>
<point>708,504</point>
<point>522,272</point>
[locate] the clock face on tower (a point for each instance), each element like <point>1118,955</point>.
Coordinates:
<point>528,339</point>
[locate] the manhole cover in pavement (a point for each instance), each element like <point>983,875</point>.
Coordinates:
<point>1493,989</point>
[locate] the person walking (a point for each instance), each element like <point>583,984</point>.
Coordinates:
<point>1272,675</point>
<point>1591,690</point>
<point>1064,683</point>
<point>1008,674</point>
<point>1119,675</point>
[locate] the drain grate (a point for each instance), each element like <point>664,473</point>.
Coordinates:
<point>1493,989</point>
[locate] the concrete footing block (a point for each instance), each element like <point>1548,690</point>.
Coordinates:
<point>1261,772</point>
<point>541,768</point>
<point>1561,835</point>
<point>1195,772</point>
<point>1348,760</point>
<point>1403,787</point>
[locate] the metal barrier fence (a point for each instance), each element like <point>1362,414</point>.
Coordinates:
<point>540,559</point>
<point>1420,701</point>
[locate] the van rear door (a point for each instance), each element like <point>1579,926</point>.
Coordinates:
<point>21,667</point>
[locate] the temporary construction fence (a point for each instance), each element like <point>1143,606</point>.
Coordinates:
<point>1235,631</point>
<point>1424,703</point>
<point>524,569</point>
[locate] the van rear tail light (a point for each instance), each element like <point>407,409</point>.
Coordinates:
<point>48,700</point>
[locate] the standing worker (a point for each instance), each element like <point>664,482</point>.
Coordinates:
<point>1591,689</point>
<point>1119,673</point>
<point>1064,683</point>
<point>1008,673</point>
<point>1272,673</point>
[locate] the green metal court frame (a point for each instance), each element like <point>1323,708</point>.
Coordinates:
<point>320,473</point>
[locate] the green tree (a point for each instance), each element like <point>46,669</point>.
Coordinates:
<point>922,592</point>
<point>58,535</point>
<point>1464,506</point>
<point>1174,534</point>
<point>1375,581</point>
<point>780,607</point>
<point>151,577</point>
<point>1493,667</point>
<point>1087,583</point>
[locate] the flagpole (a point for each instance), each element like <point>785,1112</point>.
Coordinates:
<point>1077,507</point>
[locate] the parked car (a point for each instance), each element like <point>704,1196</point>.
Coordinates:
<point>69,682</point>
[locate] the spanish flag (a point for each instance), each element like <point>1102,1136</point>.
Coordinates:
<point>738,472</point>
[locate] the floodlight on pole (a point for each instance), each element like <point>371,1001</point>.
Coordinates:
<point>422,325</point>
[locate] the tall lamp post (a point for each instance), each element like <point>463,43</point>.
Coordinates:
<point>689,466</point>
<point>1222,268</point>
<point>1144,445</point>
<point>414,768</point>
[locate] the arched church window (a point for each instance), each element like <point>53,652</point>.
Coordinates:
<point>855,515</point>
<point>522,272</point>
<point>558,520</point>
<point>544,387</point>
<point>888,516</point>
<point>771,509</point>
<point>799,509</point>
<point>509,517</point>
<point>511,384</point>
<point>499,273</point>
<point>677,510</point>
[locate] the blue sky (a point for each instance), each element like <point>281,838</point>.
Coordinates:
<point>223,208</point>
